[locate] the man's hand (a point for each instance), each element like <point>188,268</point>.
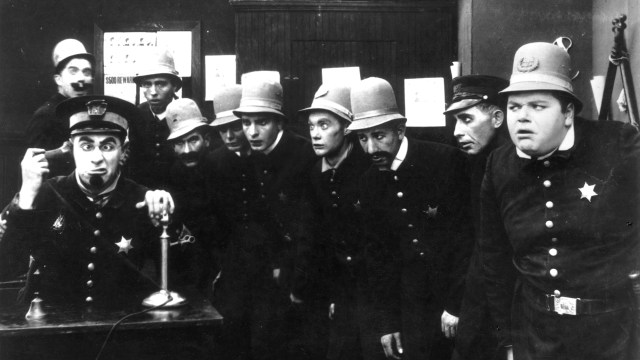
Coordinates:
<point>34,169</point>
<point>294,299</point>
<point>387,345</point>
<point>332,310</point>
<point>449,325</point>
<point>158,203</point>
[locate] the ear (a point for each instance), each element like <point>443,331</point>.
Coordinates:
<point>569,115</point>
<point>58,79</point>
<point>497,119</point>
<point>125,150</point>
<point>401,129</point>
<point>279,123</point>
<point>207,139</point>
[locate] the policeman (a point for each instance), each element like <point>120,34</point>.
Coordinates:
<point>198,253</point>
<point>283,161</point>
<point>227,124</point>
<point>74,77</point>
<point>87,231</point>
<point>334,197</point>
<point>479,114</point>
<point>418,232</point>
<point>560,205</point>
<point>151,153</point>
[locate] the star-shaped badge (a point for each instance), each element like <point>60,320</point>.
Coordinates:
<point>587,191</point>
<point>124,245</point>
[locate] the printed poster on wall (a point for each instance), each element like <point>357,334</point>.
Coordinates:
<point>424,102</point>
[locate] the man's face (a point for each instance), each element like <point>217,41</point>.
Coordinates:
<point>191,148</point>
<point>382,143</point>
<point>327,133</point>
<point>475,128</point>
<point>232,136</point>
<point>76,79</point>
<point>159,92</point>
<point>536,122</point>
<point>97,158</point>
<point>261,130</point>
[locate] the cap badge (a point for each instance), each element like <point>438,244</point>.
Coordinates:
<point>527,64</point>
<point>96,108</point>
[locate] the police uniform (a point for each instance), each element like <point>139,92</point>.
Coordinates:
<point>559,239</point>
<point>476,336</point>
<point>417,229</point>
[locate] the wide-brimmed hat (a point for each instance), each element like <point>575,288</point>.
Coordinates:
<point>260,95</point>
<point>471,90</point>
<point>67,49</point>
<point>159,63</point>
<point>183,116</point>
<point>542,66</point>
<point>97,114</point>
<point>335,99</point>
<point>225,101</point>
<point>373,103</point>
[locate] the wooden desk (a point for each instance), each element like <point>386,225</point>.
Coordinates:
<point>78,333</point>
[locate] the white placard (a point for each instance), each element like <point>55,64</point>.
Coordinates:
<point>424,102</point>
<point>341,75</point>
<point>123,52</point>
<point>260,75</point>
<point>179,42</point>
<point>220,72</point>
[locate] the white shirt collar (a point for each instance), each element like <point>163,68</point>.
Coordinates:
<point>160,116</point>
<point>275,143</point>
<point>402,153</point>
<point>567,143</point>
<point>325,164</point>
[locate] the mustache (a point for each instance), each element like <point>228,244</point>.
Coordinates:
<point>81,85</point>
<point>384,154</point>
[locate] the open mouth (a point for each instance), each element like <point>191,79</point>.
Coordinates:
<point>256,143</point>
<point>318,146</point>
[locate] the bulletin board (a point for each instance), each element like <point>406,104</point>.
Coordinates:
<point>119,48</point>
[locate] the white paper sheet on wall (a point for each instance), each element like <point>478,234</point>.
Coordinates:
<point>263,75</point>
<point>341,75</point>
<point>220,72</point>
<point>424,102</point>
<point>179,42</point>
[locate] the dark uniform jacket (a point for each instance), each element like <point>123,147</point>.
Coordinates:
<point>539,228</point>
<point>81,249</point>
<point>198,240</point>
<point>419,235</point>
<point>283,177</point>
<point>47,131</point>
<point>337,230</point>
<point>151,154</point>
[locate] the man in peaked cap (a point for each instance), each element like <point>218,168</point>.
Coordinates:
<point>282,161</point>
<point>73,75</point>
<point>557,238</point>
<point>417,228</point>
<point>151,154</point>
<point>199,260</point>
<point>336,237</point>
<point>479,112</point>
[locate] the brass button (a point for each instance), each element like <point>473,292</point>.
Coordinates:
<point>93,250</point>
<point>244,189</point>
<point>400,194</point>
<point>98,215</point>
<point>90,283</point>
<point>546,183</point>
<point>334,205</point>
<point>265,172</point>
<point>97,233</point>
<point>549,204</point>
<point>348,258</point>
<point>403,210</point>
<point>548,224</point>
<point>415,241</point>
<point>334,193</point>
<point>546,163</point>
<point>89,299</point>
<point>421,254</point>
<point>556,293</point>
<point>410,226</point>
<point>395,177</point>
<point>553,272</point>
<point>91,267</point>
<point>554,240</point>
<point>553,252</point>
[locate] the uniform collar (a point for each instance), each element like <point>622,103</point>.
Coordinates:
<point>275,143</point>
<point>325,164</point>
<point>567,143</point>
<point>103,195</point>
<point>401,155</point>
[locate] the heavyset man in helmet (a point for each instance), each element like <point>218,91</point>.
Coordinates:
<point>151,153</point>
<point>336,235</point>
<point>418,233</point>
<point>560,205</point>
<point>74,77</point>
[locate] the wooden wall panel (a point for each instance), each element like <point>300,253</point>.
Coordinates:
<point>394,41</point>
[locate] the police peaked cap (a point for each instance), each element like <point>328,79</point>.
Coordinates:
<point>471,90</point>
<point>97,114</point>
